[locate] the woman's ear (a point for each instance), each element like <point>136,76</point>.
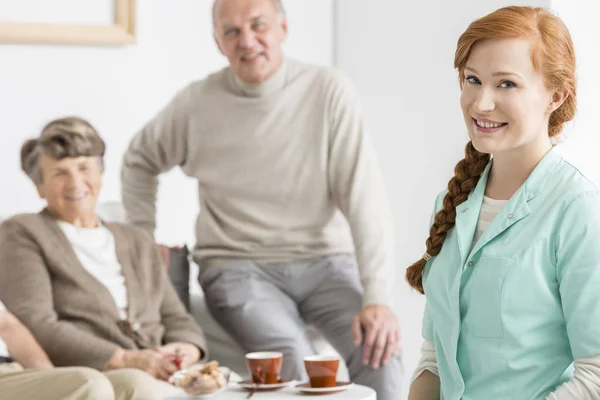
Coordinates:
<point>558,98</point>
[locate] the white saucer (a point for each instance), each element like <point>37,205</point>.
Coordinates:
<point>340,387</point>
<point>262,387</point>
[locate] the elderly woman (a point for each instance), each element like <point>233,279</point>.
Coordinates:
<point>93,293</point>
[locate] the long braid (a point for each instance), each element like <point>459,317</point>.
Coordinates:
<point>466,175</point>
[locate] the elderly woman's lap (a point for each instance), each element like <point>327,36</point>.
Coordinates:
<point>134,384</point>
<point>73,383</point>
<point>80,383</point>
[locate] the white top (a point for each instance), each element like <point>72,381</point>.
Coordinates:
<point>3,348</point>
<point>585,384</point>
<point>95,249</point>
<point>489,209</point>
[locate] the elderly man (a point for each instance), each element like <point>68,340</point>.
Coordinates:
<point>291,200</point>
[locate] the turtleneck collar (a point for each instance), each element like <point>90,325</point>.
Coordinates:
<point>276,82</point>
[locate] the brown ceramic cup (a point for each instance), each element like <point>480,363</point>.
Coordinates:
<point>264,366</point>
<point>322,370</point>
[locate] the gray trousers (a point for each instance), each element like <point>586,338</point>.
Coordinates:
<point>264,307</point>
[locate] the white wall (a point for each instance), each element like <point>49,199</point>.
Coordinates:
<point>581,140</point>
<point>119,88</point>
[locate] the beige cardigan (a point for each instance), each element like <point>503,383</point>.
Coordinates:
<point>72,314</point>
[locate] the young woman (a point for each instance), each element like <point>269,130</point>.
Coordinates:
<point>512,266</point>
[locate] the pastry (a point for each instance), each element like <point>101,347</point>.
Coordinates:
<point>206,380</point>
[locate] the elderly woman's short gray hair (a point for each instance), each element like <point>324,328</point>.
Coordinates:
<point>61,138</point>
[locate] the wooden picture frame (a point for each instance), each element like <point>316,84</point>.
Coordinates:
<point>121,32</point>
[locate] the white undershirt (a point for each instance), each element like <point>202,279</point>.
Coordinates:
<point>95,249</point>
<point>585,384</point>
<point>489,209</point>
<point>3,348</point>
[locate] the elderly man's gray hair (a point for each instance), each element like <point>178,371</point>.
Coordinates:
<point>277,3</point>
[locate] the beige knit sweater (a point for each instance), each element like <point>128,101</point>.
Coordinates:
<point>73,315</point>
<point>285,171</point>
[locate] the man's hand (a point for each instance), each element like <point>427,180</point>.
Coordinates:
<point>182,354</point>
<point>381,334</point>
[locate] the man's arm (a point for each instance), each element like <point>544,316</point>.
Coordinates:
<point>358,190</point>
<point>158,147</point>
<point>21,344</point>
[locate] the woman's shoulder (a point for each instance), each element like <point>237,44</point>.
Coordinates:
<point>572,179</point>
<point>576,196</point>
<point>28,229</point>
<point>27,221</point>
<point>568,189</point>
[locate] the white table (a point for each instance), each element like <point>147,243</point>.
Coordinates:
<point>234,392</point>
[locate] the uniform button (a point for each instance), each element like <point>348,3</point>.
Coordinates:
<point>136,326</point>
<point>510,216</point>
<point>470,263</point>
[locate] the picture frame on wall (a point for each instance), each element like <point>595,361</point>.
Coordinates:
<point>120,32</point>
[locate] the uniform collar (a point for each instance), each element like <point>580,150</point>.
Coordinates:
<point>516,208</point>
<point>529,190</point>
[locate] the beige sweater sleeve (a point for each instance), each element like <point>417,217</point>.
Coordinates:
<point>32,302</point>
<point>179,325</point>
<point>358,189</point>
<point>158,147</point>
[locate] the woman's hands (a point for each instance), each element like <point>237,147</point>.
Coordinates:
<point>182,354</point>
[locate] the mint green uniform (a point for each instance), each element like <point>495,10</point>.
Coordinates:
<point>509,315</point>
